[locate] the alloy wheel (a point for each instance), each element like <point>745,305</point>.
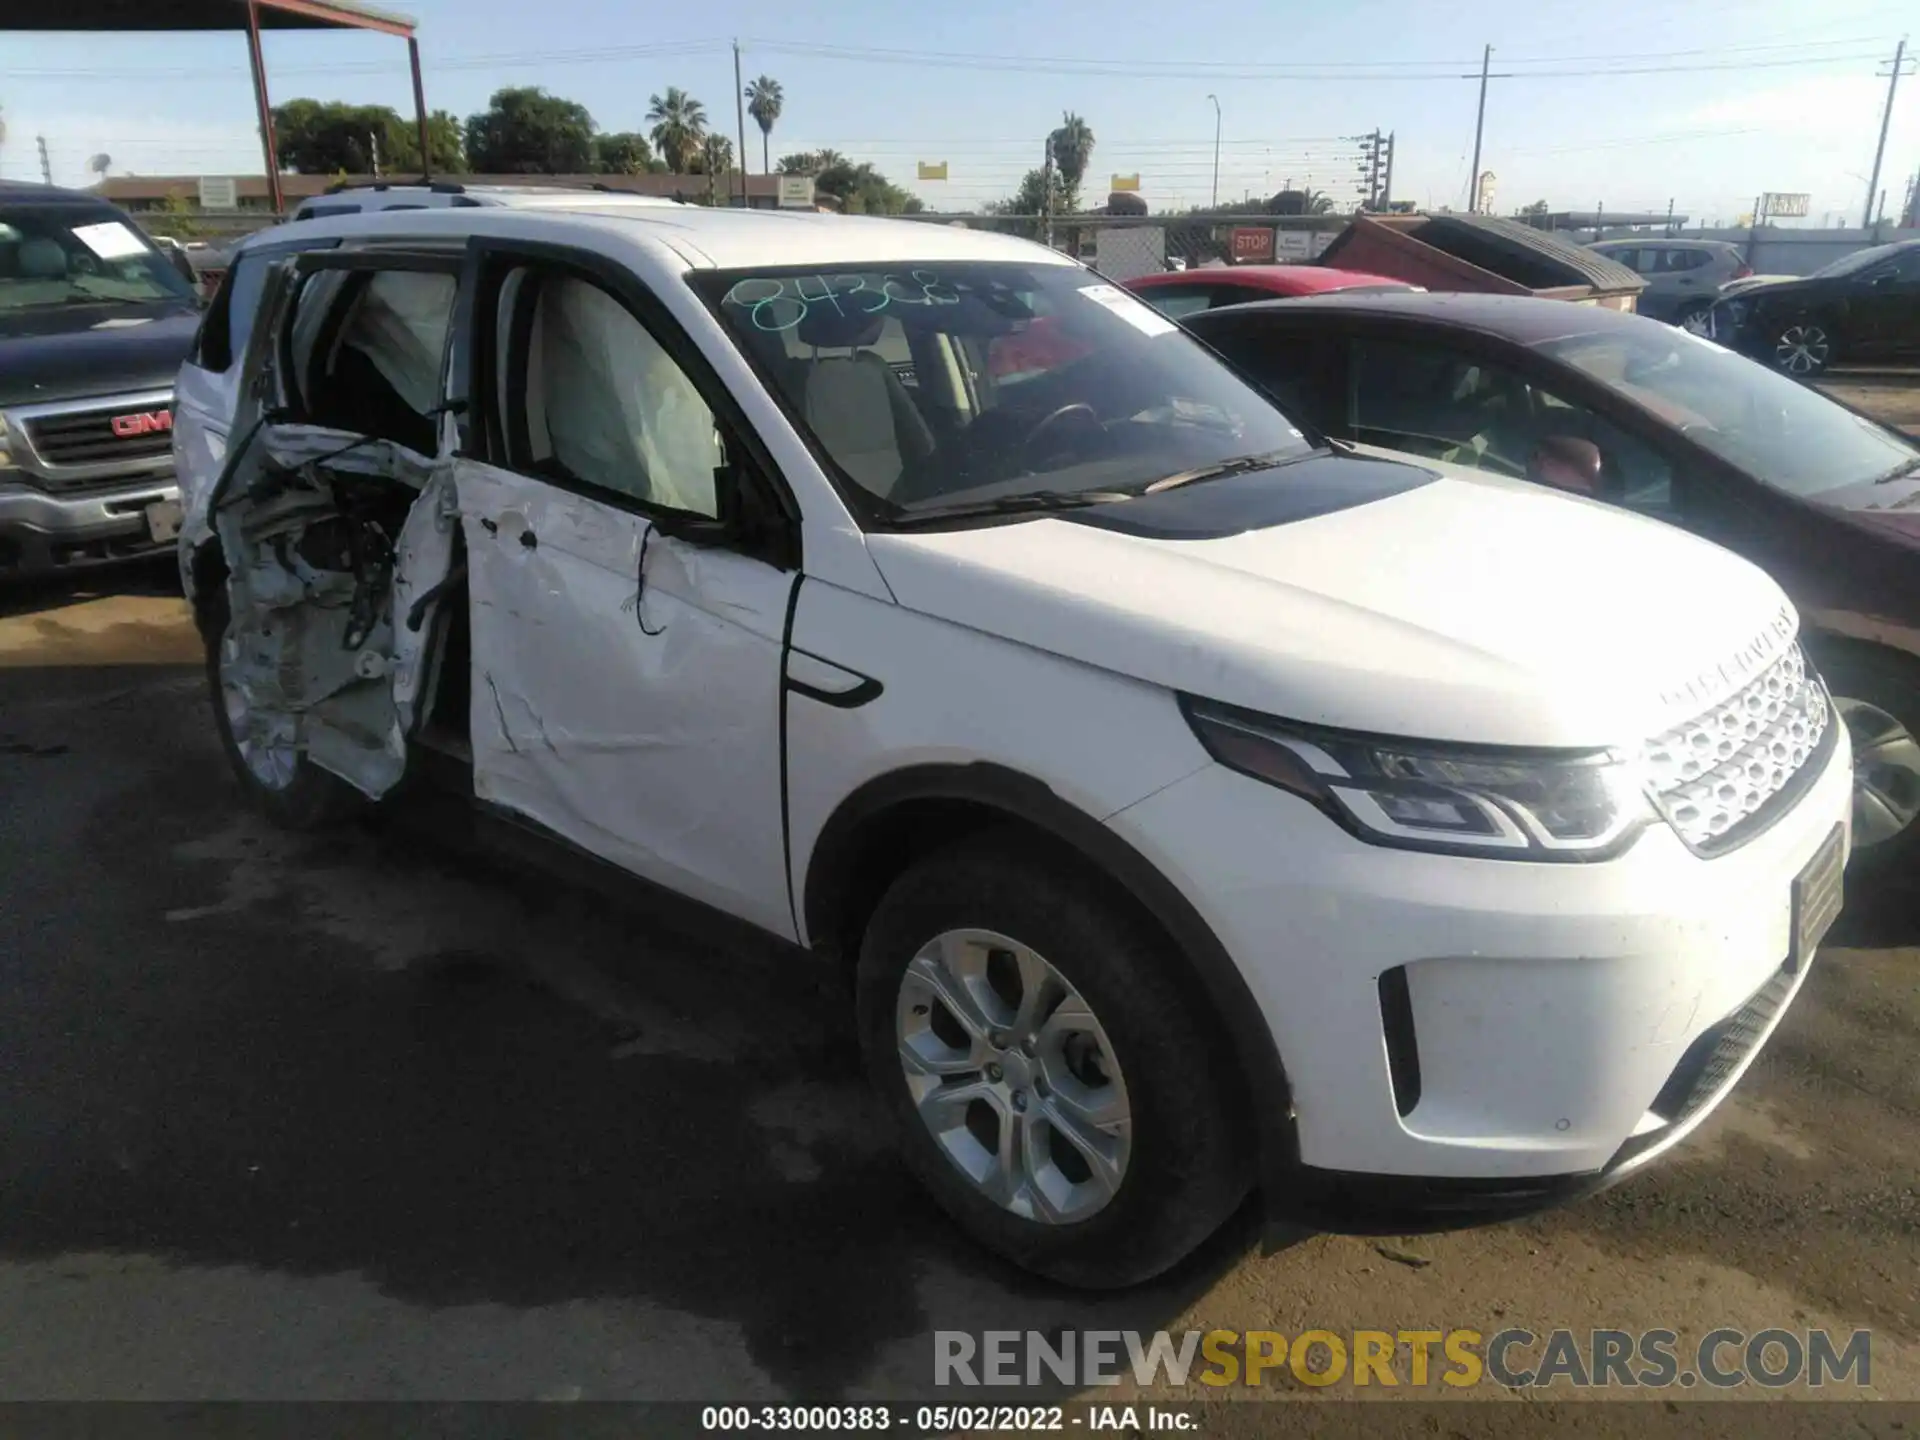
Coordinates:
<point>266,742</point>
<point>1697,322</point>
<point>1802,349</point>
<point>1013,1076</point>
<point>1886,773</point>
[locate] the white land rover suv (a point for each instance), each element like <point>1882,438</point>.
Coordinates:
<point>1193,806</point>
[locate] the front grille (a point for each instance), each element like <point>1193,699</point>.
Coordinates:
<point>86,437</point>
<point>1709,1064</point>
<point>1724,775</point>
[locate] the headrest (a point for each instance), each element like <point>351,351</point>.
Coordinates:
<point>42,259</point>
<point>826,328</point>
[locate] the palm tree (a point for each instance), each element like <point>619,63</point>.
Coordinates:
<point>763,104</point>
<point>1072,149</point>
<point>679,125</point>
<point>716,159</point>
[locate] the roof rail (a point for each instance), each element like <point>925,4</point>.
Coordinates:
<point>604,188</point>
<point>439,187</point>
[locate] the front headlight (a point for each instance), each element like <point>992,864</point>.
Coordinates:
<point>1456,799</point>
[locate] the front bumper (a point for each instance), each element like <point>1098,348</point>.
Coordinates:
<point>44,534</point>
<point>1550,1007</point>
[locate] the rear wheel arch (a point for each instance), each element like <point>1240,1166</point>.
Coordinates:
<point>891,822</point>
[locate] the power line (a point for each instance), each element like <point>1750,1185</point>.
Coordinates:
<point>1400,70</point>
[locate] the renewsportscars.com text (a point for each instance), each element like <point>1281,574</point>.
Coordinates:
<point>1720,1359</point>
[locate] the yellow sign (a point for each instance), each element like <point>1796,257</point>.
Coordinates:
<point>933,169</point>
<point>1127,182</point>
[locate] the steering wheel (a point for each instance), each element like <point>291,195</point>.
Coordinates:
<point>1055,417</point>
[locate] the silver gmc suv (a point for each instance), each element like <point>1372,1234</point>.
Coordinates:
<point>94,322</point>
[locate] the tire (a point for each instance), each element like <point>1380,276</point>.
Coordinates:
<point>1802,347</point>
<point>293,792</point>
<point>1877,693</point>
<point>1692,318</point>
<point>1180,1163</point>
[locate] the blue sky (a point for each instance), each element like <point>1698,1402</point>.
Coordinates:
<point>1791,102</point>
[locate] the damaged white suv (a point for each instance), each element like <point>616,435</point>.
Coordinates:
<point>1194,806</point>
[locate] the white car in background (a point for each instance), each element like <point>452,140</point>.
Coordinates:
<point>1192,806</point>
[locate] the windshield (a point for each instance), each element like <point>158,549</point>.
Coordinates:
<point>79,255</point>
<point>1775,429</point>
<point>1858,260</point>
<point>941,385</point>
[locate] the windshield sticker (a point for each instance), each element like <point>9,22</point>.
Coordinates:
<point>783,303</point>
<point>1142,316</point>
<point>110,240</point>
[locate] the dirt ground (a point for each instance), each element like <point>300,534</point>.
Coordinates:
<point>364,1116</point>
<point>1890,396</point>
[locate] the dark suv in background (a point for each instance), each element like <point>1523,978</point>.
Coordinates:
<point>94,322</point>
<point>1865,306</point>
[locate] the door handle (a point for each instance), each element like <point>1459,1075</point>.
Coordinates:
<point>491,527</point>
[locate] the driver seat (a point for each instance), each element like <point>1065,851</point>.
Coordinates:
<point>856,405</point>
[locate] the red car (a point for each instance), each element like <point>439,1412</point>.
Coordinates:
<point>1180,293</point>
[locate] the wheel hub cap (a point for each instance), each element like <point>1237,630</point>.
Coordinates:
<point>1802,348</point>
<point>1013,1076</point>
<point>1886,773</point>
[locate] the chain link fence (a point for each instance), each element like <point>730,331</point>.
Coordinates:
<point>1125,247</point>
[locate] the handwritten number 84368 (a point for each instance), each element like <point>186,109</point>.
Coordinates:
<point>782,304</point>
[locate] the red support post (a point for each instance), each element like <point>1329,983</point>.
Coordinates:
<point>267,145</point>
<point>420,109</point>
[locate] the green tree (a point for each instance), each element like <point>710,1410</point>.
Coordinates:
<point>1299,202</point>
<point>1040,192</point>
<point>623,153</point>
<point>1071,147</point>
<point>764,99</point>
<point>862,190</point>
<point>715,161</point>
<point>315,137</point>
<point>679,125</point>
<point>526,131</point>
<point>810,162</point>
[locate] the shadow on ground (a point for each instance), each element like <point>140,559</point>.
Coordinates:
<point>368,1052</point>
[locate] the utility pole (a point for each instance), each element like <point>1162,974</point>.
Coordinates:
<point>1480,126</point>
<point>373,147</point>
<point>1215,205</point>
<point>1046,192</point>
<point>1886,117</point>
<point>46,170</point>
<point>740,118</point>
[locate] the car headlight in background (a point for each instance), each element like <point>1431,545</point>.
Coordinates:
<point>1456,799</point>
<point>6,456</point>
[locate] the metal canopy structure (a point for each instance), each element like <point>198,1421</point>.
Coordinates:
<point>252,16</point>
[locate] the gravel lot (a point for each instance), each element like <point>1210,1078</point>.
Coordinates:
<point>368,1116</point>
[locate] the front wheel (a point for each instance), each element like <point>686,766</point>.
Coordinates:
<point>1878,696</point>
<point>1696,319</point>
<point>1047,1065</point>
<point>1803,348</point>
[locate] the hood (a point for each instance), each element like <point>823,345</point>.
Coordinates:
<point>1463,608</point>
<point>69,352</point>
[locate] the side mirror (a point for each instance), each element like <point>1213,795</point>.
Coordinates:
<point>1566,462</point>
